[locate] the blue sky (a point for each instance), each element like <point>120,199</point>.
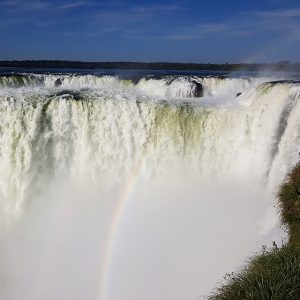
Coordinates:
<point>212,31</point>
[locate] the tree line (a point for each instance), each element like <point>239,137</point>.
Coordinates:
<point>278,66</point>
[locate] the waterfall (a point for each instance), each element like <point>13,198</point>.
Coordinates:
<point>104,132</point>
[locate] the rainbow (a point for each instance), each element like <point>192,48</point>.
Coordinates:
<point>122,206</point>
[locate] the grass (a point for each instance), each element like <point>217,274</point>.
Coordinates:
<point>275,274</point>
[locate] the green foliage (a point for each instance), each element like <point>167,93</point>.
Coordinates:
<point>276,273</point>
<point>273,275</point>
<point>289,203</point>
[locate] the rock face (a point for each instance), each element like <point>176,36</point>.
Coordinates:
<point>58,82</point>
<point>198,89</point>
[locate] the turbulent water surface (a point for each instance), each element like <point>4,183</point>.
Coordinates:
<point>144,187</point>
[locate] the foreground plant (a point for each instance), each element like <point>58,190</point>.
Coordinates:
<point>275,274</point>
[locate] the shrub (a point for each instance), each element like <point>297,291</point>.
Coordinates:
<point>273,275</point>
<point>289,203</point>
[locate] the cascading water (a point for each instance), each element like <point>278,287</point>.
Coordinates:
<point>101,131</point>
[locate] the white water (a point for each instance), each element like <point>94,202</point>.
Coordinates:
<point>201,172</point>
<point>169,86</point>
